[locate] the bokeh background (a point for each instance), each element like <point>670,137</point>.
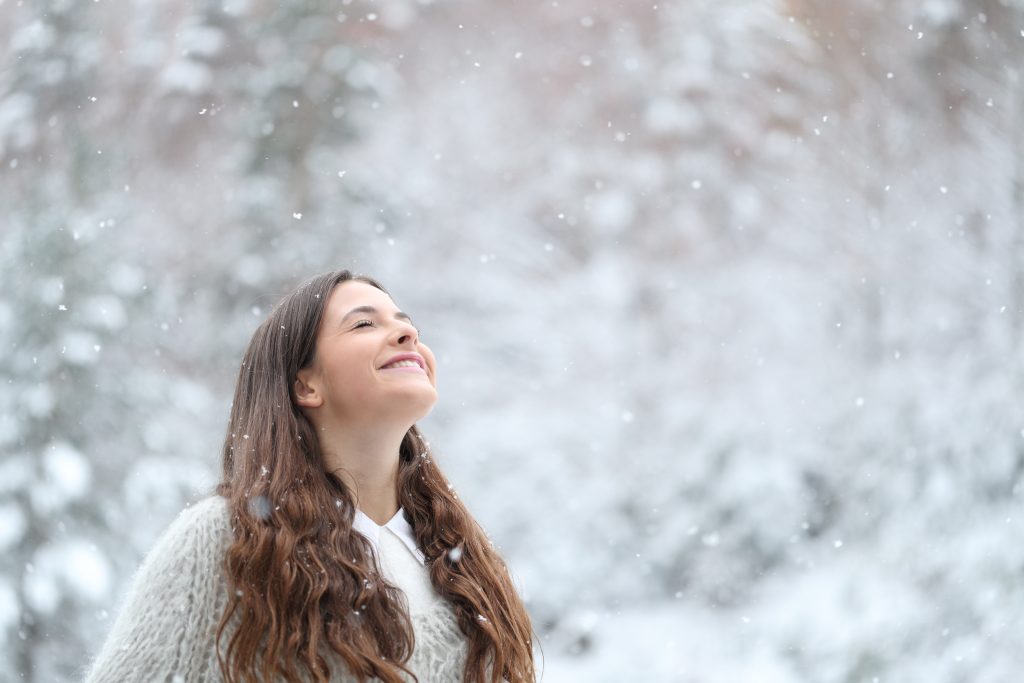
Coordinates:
<point>728,301</point>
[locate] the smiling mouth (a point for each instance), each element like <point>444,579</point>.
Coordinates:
<point>402,364</point>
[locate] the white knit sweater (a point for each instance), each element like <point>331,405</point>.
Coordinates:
<point>166,627</point>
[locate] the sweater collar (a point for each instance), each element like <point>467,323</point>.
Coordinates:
<point>398,525</point>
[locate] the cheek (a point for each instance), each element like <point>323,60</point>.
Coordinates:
<point>428,356</point>
<point>341,376</point>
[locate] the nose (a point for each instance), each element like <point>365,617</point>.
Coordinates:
<point>405,334</point>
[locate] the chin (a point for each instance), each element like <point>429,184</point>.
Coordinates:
<point>418,404</point>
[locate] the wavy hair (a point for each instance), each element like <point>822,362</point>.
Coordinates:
<point>302,581</point>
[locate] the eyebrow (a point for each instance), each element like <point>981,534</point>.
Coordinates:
<point>370,309</point>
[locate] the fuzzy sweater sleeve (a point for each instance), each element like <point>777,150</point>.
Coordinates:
<point>166,626</point>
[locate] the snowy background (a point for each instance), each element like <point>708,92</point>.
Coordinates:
<point>727,297</point>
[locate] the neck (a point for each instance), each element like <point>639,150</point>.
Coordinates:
<point>367,461</point>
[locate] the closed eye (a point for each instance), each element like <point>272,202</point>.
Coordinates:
<point>369,323</point>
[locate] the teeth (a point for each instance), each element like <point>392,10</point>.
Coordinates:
<point>403,364</point>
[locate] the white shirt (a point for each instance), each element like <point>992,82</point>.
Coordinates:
<point>401,560</point>
<point>397,525</point>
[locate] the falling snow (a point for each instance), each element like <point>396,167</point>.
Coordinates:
<point>725,302</point>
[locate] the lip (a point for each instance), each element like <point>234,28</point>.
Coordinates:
<point>406,356</point>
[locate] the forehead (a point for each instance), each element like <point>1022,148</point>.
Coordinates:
<point>353,293</point>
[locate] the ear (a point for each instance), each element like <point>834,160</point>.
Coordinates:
<point>307,389</point>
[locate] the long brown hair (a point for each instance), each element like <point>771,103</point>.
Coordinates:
<point>302,580</point>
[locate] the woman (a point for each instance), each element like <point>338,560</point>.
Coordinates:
<point>334,549</point>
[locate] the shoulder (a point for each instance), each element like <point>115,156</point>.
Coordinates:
<point>207,520</point>
<point>167,622</point>
<point>196,540</point>
<point>209,517</point>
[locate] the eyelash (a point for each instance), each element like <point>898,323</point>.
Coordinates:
<point>370,323</point>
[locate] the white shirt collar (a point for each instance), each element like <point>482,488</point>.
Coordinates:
<point>397,525</point>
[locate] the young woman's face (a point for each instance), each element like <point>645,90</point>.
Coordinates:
<point>369,363</point>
